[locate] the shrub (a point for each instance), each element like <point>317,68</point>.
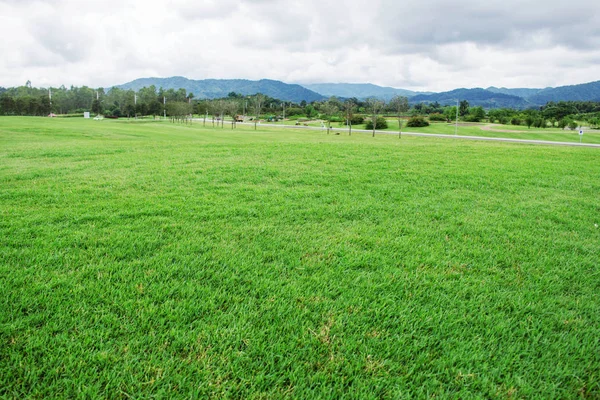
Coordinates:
<point>357,119</point>
<point>515,121</point>
<point>539,123</point>
<point>472,118</point>
<point>381,124</point>
<point>437,117</point>
<point>416,122</point>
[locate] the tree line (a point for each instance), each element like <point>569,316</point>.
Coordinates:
<point>179,105</point>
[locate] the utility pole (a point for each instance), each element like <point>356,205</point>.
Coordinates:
<point>284,111</point>
<point>165,106</point>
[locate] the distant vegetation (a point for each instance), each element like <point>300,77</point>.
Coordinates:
<point>179,104</point>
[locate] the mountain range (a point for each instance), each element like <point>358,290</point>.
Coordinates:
<point>218,88</point>
<point>492,97</point>
<point>359,90</point>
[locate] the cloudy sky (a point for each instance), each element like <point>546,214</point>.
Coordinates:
<point>421,45</point>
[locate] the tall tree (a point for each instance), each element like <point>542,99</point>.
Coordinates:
<point>202,108</point>
<point>349,107</point>
<point>259,100</point>
<point>232,110</point>
<point>400,106</point>
<point>329,108</point>
<point>374,106</point>
<point>463,109</point>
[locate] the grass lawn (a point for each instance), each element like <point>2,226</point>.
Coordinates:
<point>147,259</point>
<point>496,130</point>
<point>518,132</point>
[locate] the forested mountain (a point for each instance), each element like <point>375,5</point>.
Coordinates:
<point>358,90</point>
<point>218,88</point>
<point>521,92</point>
<point>475,97</point>
<point>491,97</point>
<point>583,92</point>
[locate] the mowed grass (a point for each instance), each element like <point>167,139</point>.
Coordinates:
<point>516,132</point>
<point>591,136</point>
<point>159,260</point>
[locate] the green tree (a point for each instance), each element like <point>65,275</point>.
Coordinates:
<point>374,106</point>
<point>476,114</point>
<point>259,100</point>
<point>463,109</point>
<point>329,109</point>
<point>232,108</point>
<point>96,107</point>
<point>529,120</point>
<point>380,124</point>
<point>349,107</point>
<point>417,121</point>
<point>310,111</point>
<point>399,104</point>
<point>573,125</point>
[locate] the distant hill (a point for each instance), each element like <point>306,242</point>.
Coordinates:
<point>492,97</point>
<point>475,97</point>
<point>2,90</point>
<point>358,90</point>
<point>216,88</point>
<point>521,92</point>
<point>583,92</point>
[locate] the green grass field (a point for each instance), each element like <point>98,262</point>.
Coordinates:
<point>496,130</point>
<point>147,259</point>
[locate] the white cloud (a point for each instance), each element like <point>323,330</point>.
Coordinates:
<point>424,45</point>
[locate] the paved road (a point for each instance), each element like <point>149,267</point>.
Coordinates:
<point>436,135</point>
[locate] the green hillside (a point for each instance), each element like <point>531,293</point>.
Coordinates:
<point>358,90</point>
<point>216,88</point>
<point>475,97</point>
<point>583,92</point>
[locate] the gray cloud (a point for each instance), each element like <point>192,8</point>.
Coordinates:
<point>425,45</point>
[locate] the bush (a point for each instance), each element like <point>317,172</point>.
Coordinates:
<point>472,118</point>
<point>437,117</point>
<point>293,111</point>
<point>381,124</point>
<point>515,121</point>
<point>539,123</point>
<point>357,120</point>
<point>416,122</point>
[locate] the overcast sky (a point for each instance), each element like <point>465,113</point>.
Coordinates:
<point>421,45</point>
